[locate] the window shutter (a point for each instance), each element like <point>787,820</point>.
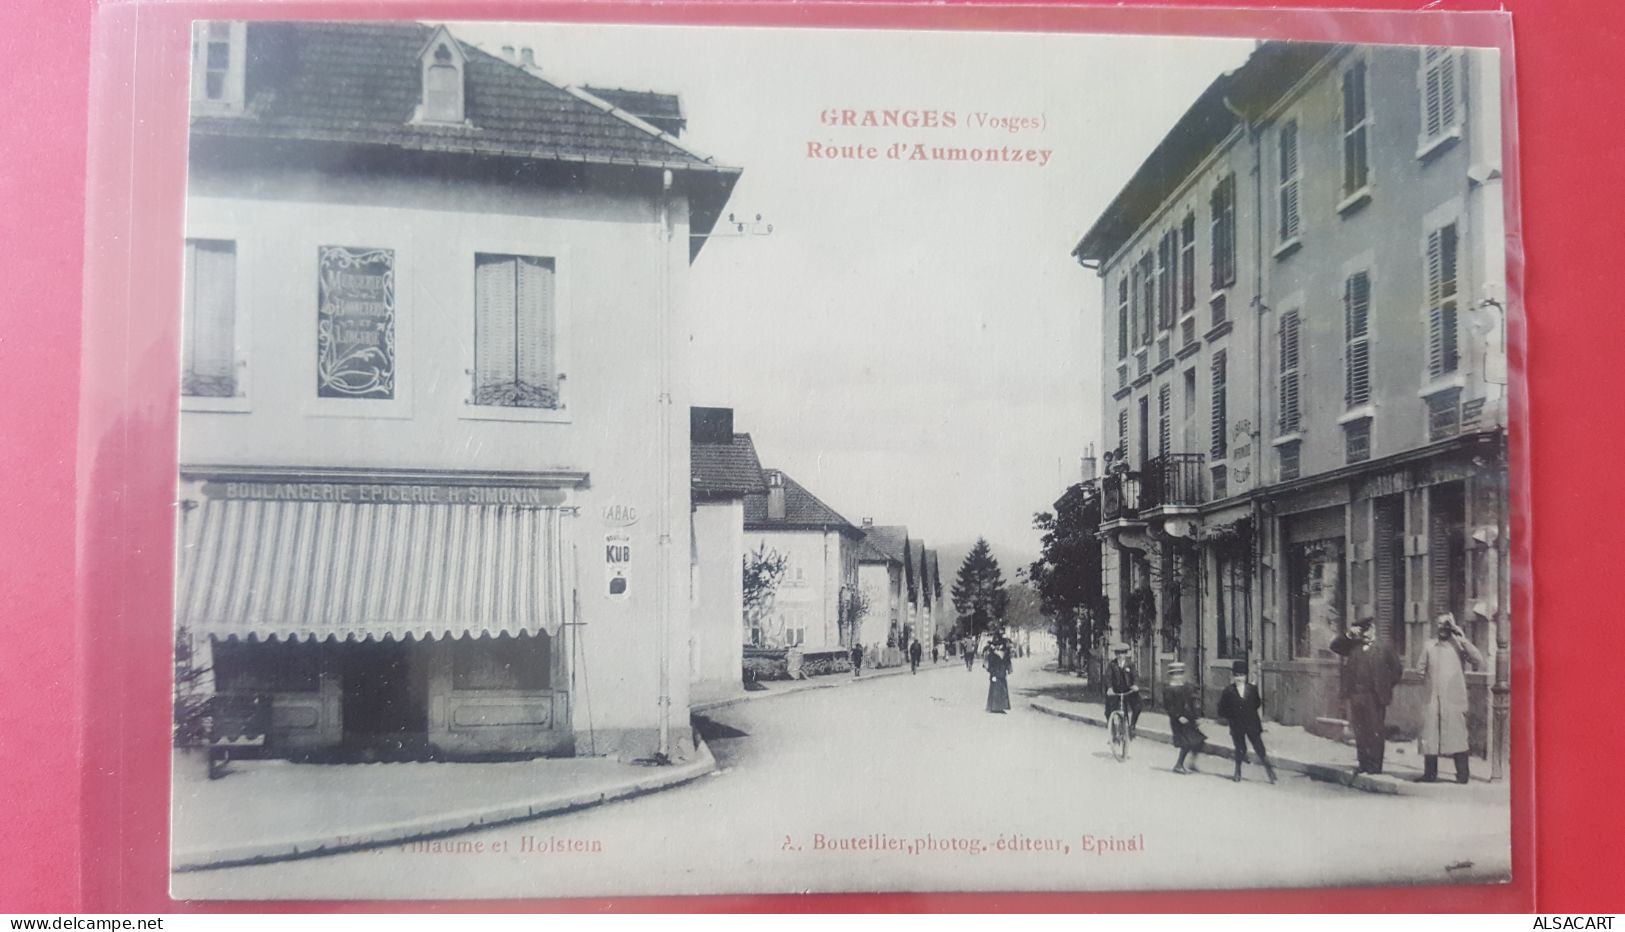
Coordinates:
<point>534,326</point>
<point>1438,91</point>
<point>1164,427</point>
<point>1356,166</point>
<point>1148,297</point>
<point>1388,535</point>
<point>494,338</point>
<point>1289,180</point>
<point>1356,319</point>
<point>1447,89</point>
<point>1441,289</point>
<point>1217,421</point>
<point>210,324</point>
<point>1289,372</point>
<point>1122,318</point>
<point>1122,434</point>
<point>1187,272</point>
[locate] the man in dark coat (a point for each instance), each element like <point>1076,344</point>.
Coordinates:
<point>1240,705</point>
<point>914,652</point>
<point>1122,686</point>
<point>857,659</point>
<point>1370,670</point>
<point>1184,708</point>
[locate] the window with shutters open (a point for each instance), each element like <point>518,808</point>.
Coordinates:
<point>1187,263</point>
<point>1289,373</point>
<point>1122,318</point>
<point>1356,340</point>
<point>1288,182</point>
<point>1222,205</point>
<point>1356,131</point>
<point>209,327</point>
<point>1218,424</point>
<point>1122,435</point>
<point>1148,296</point>
<point>1443,352</point>
<point>1441,106</point>
<point>1167,272</point>
<point>515,332</point>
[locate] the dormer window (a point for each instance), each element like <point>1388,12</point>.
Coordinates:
<point>442,64</point>
<point>219,50</point>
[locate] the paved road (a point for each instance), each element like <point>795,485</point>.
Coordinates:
<point>911,786</point>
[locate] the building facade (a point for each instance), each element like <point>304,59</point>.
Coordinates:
<point>1304,348</point>
<point>812,605</point>
<point>426,488</point>
<point>725,469</point>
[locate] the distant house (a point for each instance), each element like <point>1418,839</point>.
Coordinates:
<point>810,608</point>
<point>892,541</point>
<point>724,470</point>
<point>880,578</point>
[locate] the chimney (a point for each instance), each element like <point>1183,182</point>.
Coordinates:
<point>1089,464</point>
<point>508,55</point>
<point>775,495</point>
<point>527,57</point>
<point>868,523</point>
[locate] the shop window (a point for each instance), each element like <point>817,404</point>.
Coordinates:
<point>1315,596</point>
<point>266,666</point>
<point>209,324</point>
<point>506,662</point>
<point>515,332</point>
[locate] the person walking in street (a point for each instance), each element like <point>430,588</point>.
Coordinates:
<point>970,655</point>
<point>914,652</point>
<point>1240,706</point>
<point>857,659</point>
<point>1444,718</point>
<point>1184,707</point>
<point>1370,671</point>
<point>1122,686</point>
<point>933,652</point>
<point>998,671</point>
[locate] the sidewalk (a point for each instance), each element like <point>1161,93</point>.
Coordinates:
<point>1291,749</point>
<point>773,688</point>
<point>275,810</point>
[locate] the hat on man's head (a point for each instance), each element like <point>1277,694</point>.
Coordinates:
<point>1176,667</point>
<point>1239,668</point>
<point>1364,621</point>
<point>1119,648</point>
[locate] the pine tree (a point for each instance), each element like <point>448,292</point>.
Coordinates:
<point>979,596</point>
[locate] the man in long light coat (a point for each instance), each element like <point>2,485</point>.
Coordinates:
<point>1444,719</point>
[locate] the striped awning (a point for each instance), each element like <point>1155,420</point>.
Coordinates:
<point>350,570</point>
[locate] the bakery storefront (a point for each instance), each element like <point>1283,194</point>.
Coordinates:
<point>380,616</point>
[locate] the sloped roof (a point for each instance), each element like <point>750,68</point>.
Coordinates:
<point>802,511</point>
<point>869,553</point>
<point>889,539</point>
<point>360,84</point>
<point>653,107</point>
<point>931,566</point>
<point>726,468</point>
<point>1271,70</point>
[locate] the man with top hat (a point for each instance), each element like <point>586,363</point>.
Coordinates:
<point>1183,710</point>
<point>1370,671</point>
<point>1240,706</point>
<point>1122,687</point>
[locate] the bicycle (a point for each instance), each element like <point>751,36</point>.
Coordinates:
<point>1117,724</point>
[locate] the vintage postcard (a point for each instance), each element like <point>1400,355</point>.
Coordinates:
<point>623,460</point>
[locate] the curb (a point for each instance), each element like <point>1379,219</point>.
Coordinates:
<point>799,686</point>
<point>439,826</point>
<point>1381,784</point>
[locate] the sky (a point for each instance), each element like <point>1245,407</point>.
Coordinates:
<point>913,341</point>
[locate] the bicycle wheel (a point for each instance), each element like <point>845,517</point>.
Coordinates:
<point>1119,732</point>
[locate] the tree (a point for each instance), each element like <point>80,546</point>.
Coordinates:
<point>979,596</point>
<point>1067,573</point>
<point>192,705</point>
<point>763,571</point>
<point>853,609</point>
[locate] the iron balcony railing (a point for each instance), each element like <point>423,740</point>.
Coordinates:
<point>1120,496</point>
<point>1174,479</point>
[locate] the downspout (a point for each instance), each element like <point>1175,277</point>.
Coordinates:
<point>1255,645</point>
<point>663,569</point>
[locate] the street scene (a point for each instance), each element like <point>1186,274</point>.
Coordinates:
<point>602,472</point>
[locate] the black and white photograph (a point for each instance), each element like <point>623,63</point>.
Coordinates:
<point>628,460</point>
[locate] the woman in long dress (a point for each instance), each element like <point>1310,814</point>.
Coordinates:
<point>998,672</point>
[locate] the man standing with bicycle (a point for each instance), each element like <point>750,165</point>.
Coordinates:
<point>1122,687</point>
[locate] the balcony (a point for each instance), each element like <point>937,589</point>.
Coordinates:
<point>1174,481</point>
<point>1120,497</point>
